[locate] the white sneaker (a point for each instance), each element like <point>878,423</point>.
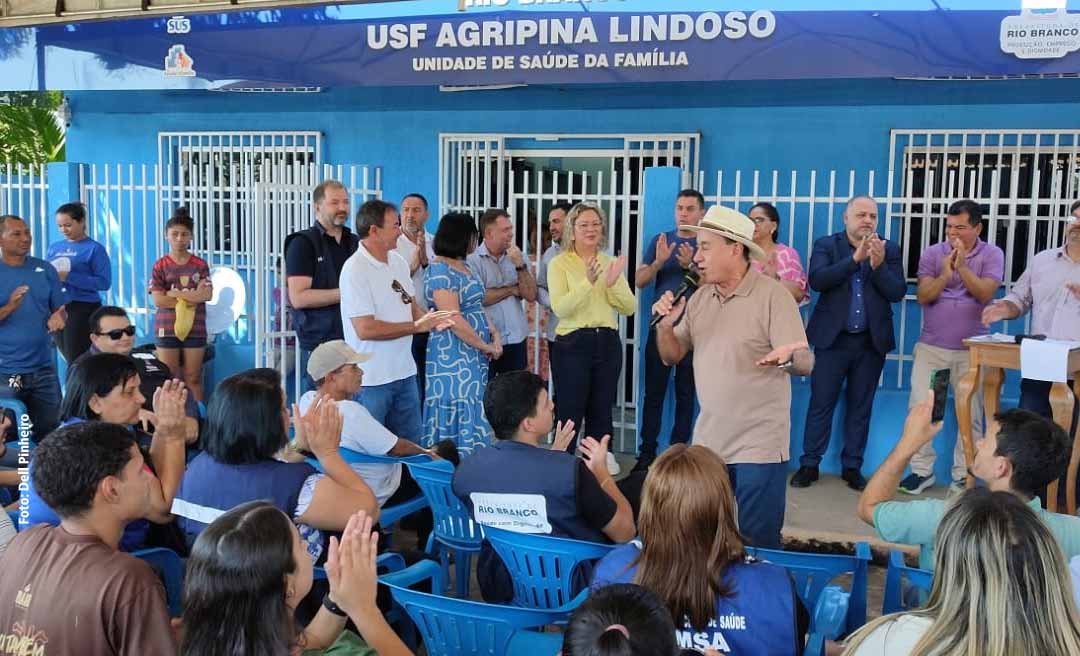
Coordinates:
<point>613,464</point>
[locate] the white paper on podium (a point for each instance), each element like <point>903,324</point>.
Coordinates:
<point>1045,360</point>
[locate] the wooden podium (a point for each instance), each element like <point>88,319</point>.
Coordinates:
<point>994,358</point>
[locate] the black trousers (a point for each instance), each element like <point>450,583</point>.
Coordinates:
<point>657,377</point>
<point>853,359</point>
<point>586,371</point>
<point>515,357</point>
<point>419,356</point>
<point>74,339</point>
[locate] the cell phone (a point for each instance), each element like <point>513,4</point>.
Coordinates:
<point>939,382</point>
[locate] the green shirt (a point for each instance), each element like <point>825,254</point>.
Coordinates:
<point>916,522</point>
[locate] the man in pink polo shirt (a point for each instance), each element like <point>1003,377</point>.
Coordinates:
<point>957,278</point>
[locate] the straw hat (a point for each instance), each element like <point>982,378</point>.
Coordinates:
<point>733,225</point>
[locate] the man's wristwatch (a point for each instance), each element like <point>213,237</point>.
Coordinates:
<point>519,268</point>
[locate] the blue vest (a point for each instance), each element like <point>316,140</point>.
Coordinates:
<point>508,467</point>
<point>759,618</point>
<point>322,324</point>
<point>216,486</point>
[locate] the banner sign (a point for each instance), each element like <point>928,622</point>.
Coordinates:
<point>510,43</point>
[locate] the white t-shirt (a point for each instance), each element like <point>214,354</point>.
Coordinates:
<point>361,433</point>
<point>367,290</point>
<point>895,638</point>
<point>406,248</point>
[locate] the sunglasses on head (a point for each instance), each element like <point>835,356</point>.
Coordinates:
<point>119,332</point>
<point>405,297</point>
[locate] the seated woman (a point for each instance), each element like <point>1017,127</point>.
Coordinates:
<point>105,387</point>
<point>1000,587</point>
<point>246,428</point>
<point>249,569</point>
<point>690,553</point>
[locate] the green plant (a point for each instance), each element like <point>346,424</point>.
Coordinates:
<point>30,132</point>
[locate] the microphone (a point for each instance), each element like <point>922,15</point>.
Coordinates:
<point>690,280</point>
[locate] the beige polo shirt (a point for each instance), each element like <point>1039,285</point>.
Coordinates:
<point>745,409</point>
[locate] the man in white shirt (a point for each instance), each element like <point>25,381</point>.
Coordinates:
<point>334,367</point>
<point>416,245</point>
<point>380,315</point>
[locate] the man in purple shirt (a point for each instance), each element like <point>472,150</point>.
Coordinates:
<point>957,278</point>
<point>1050,289</point>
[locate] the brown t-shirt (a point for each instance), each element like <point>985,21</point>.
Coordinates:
<point>745,409</point>
<point>68,594</point>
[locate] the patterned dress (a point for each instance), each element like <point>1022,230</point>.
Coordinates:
<point>457,373</point>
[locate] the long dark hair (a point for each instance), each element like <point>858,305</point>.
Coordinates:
<point>770,211</point>
<point>96,374</point>
<point>243,420</point>
<point>234,593</point>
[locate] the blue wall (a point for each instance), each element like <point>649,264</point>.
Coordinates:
<point>803,125</point>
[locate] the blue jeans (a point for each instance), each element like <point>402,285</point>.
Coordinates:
<point>40,393</point>
<point>395,405</point>
<point>657,377</point>
<point>1035,396</point>
<point>760,491</point>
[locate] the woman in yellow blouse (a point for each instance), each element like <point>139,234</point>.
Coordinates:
<point>587,288</point>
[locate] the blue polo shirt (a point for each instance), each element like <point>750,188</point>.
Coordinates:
<point>670,276</point>
<point>24,340</point>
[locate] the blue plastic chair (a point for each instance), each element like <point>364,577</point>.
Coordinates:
<point>458,627</point>
<point>813,572</point>
<point>455,529</point>
<point>543,567</point>
<point>171,566</point>
<point>900,580</point>
<point>388,515</point>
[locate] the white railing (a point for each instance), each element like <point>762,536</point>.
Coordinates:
<point>811,205</point>
<point>24,192</point>
<point>128,206</point>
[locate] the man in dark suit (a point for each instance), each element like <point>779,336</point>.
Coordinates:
<point>859,276</point>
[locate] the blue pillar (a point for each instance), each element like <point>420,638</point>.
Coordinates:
<point>63,180</point>
<point>662,185</point>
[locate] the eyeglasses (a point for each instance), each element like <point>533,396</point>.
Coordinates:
<point>398,289</point>
<point>118,333</point>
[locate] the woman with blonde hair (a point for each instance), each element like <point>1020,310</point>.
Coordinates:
<point>690,553</point>
<point>1001,587</point>
<point>588,290</point>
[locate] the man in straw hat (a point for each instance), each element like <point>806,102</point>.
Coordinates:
<point>748,338</point>
<point>859,276</point>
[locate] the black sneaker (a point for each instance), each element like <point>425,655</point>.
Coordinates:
<point>805,477</point>
<point>643,463</point>
<point>854,479</point>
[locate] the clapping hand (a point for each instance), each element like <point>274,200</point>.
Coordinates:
<point>351,567</point>
<point>564,435</point>
<point>615,269</point>
<point>862,251</point>
<point>877,251</point>
<point>168,416</point>
<point>663,249</point>
<point>593,269</point>
<point>996,311</point>
<point>685,255</point>
<point>595,455</point>
<point>57,320</point>
<point>322,426</point>
<point>17,294</point>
